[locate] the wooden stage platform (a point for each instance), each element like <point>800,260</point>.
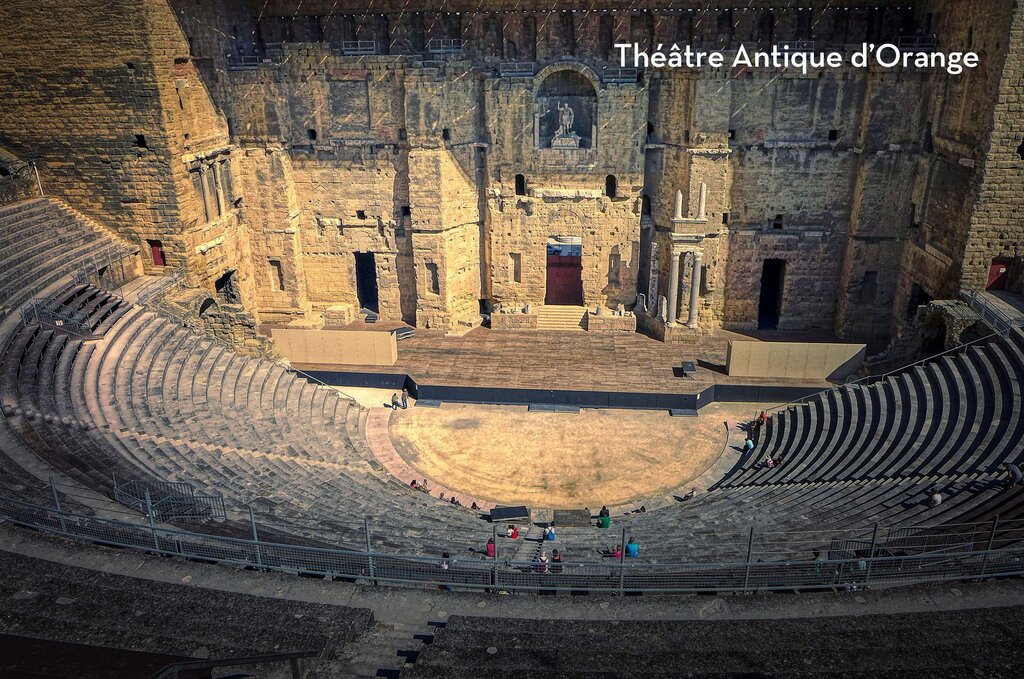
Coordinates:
<point>566,360</point>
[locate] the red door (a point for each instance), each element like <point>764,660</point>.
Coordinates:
<point>157,248</point>
<point>997,274</point>
<point>565,280</point>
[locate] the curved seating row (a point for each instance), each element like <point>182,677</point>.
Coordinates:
<point>154,401</point>
<point>959,414</point>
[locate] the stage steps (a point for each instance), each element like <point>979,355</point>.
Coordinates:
<point>559,317</point>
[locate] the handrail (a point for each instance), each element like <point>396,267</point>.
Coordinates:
<point>849,567</point>
<point>174,670</point>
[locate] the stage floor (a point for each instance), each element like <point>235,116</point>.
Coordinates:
<point>567,360</point>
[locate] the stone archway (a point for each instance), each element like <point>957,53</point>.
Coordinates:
<point>565,109</point>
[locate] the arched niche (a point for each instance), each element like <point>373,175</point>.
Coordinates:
<point>566,110</point>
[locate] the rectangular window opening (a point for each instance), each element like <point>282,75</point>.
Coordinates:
<point>516,265</point>
<point>276,275</point>
<point>433,279</point>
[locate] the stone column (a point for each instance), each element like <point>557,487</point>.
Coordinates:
<point>219,188</point>
<point>673,287</point>
<point>679,206</point>
<point>702,201</point>
<point>694,290</point>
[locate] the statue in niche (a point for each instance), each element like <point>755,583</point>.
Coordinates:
<point>566,117</point>
<point>565,138</point>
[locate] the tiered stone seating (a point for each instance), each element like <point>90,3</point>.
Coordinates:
<point>854,456</point>
<point>145,398</point>
<point>41,241</point>
<point>960,414</point>
<point>153,400</point>
<point>904,645</point>
<point>44,600</point>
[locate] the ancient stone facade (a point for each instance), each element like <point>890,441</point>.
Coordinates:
<point>305,160</point>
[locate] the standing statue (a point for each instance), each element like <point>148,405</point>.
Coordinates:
<point>566,117</point>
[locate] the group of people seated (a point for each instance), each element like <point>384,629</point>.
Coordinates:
<point>416,485</point>
<point>632,550</point>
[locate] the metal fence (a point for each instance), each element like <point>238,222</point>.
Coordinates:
<point>169,501</point>
<point>57,316</point>
<point>866,566</point>
<point>18,181</point>
<point>990,313</point>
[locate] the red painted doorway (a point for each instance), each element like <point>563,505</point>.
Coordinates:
<point>156,249</point>
<point>998,272</point>
<point>564,271</point>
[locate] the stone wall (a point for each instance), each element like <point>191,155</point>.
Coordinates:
<point>249,141</point>
<point>997,221</point>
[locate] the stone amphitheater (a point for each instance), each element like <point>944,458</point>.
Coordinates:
<point>178,499</point>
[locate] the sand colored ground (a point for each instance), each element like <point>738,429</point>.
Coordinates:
<point>509,455</point>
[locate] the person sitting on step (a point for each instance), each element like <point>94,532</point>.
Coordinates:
<point>512,533</point>
<point>490,548</point>
<point>632,548</point>
<point>1016,475</point>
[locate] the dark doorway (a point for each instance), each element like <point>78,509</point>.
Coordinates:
<point>998,272</point>
<point>918,297</point>
<point>773,279</point>
<point>227,288</point>
<point>366,281</point>
<point>565,272</point>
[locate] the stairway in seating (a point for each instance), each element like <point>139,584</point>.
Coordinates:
<point>558,317</point>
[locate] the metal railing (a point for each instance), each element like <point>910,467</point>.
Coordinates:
<point>866,564</point>
<point>245,62</point>
<point>359,47</point>
<point>169,501</point>
<point>56,316</point>
<point>508,69</point>
<point>989,313</point>
<point>616,74</point>
<point>445,46</point>
<point>105,270</point>
<point>19,181</point>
